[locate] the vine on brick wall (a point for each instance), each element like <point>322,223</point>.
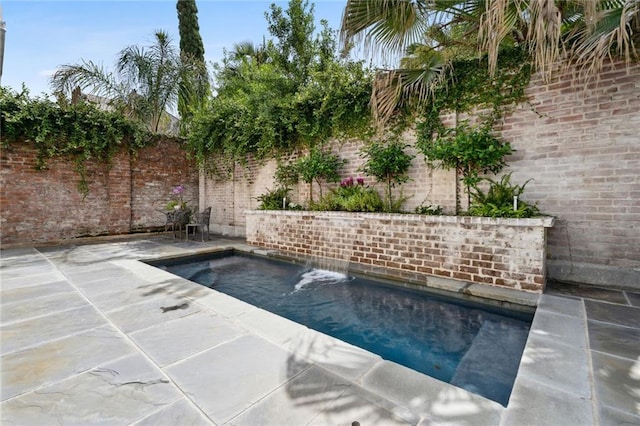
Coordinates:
<point>58,129</point>
<point>470,86</point>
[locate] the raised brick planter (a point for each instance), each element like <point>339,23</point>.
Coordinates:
<point>508,253</point>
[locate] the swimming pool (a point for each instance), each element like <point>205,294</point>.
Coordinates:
<point>471,346</point>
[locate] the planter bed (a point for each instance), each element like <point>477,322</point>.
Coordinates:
<point>496,252</point>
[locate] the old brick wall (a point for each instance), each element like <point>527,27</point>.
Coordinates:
<point>578,142</point>
<point>46,206</point>
<point>155,171</point>
<point>506,253</point>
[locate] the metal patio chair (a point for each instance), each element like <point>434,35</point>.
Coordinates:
<point>175,220</point>
<point>199,220</point>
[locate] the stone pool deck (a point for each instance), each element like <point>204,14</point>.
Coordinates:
<point>90,335</point>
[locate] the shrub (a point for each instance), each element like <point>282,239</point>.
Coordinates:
<point>275,199</point>
<point>499,199</point>
<point>388,163</point>
<point>352,197</point>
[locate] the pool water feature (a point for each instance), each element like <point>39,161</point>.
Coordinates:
<point>471,346</point>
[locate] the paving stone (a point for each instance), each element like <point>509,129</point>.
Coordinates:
<point>188,336</point>
<point>20,335</point>
<point>31,280</point>
<point>180,413</point>
<point>143,270</point>
<point>612,417</point>
<point>615,314</point>
<point>561,305</point>
<point>228,379</point>
<point>19,311</point>
<point>37,267</point>
<point>71,256</point>
<point>297,402</point>
<point>93,288</point>
<point>551,361</point>
<point>9,261</point>
<point>340,357</point>
<point>224,305</point>
<point>617,382</point>
<point>614,339</point>
<point>634,298</point>
<point>125,294</point>
<point>585,291</point>
<point>92,271</point>
<point>114,393</point>
<point>568,330</point>
<point>270,326</point>
<point>29,293</point>
<point>154,311</point>
<point>534,404</point>
<point>350,407</point>
<point>17,253</point>
<point>39,366</point>
<point>430,398</point>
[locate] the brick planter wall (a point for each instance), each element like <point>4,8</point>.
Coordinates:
<point>46,206</point>
<point>507,253</point>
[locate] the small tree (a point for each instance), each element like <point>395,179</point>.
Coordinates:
<point>469,151</point>
<point>388,163</point>
<point>319,166</point>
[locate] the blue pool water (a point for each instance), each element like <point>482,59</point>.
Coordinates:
<point>467,346</point>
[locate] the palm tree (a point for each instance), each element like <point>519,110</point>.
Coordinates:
<point>582,33</point>
<point>247,51</point>
<point>145,83</point>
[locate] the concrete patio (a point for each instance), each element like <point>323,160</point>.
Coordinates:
<point>91,335</point>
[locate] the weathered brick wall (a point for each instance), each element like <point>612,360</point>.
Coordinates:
<point>506,253</point>
<point>46,206</point>
<point>155,171</point>
<point>580,144</point>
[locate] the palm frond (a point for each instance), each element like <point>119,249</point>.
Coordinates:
<point>411,85</point>
<point>391,25</point>
<point>87,76</point>
<point>501,19</point>
<point>613,34</point>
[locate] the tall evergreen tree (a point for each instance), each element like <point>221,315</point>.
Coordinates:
<point>194,85</point>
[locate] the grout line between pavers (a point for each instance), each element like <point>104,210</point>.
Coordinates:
<point>592,380</point>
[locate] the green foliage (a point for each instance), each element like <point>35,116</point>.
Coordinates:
<point>351,198</point>
<point>498,200</point>
<point>388,163</point>
<point>287,174</point>
<point>469,86</point>
<point>194,82</point>
<point>469,151</point>
<point>80,131</point>
<point>319,166</point>
<point>290,93</point>
<point>190,39</point>
<point>429,210</point>
<point>275,199</point>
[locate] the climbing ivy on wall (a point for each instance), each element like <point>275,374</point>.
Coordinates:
<point>58,129</point>
<point>469,86</point>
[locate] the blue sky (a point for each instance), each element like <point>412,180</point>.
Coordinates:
<point>42,35</point>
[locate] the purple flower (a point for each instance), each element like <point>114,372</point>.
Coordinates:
<point>360,181</point>
<point>348,182</point>
<point>178,189</point>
